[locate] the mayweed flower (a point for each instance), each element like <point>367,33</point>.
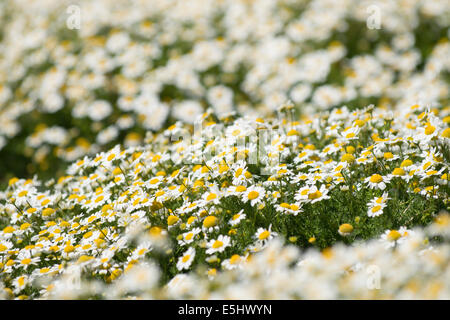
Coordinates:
<point>263,235</point>
<point>234,262</point>
<point>377,181</point>
<point>376,205</point>
<point>345,229</point>
<point>394,237</point>
<point>218,245</point>
<point>312,194</point>
<point>237,218</point>
<point>287,208</point>
<point>254,194</point>
<point>185,261</point>
<point>189,237</point>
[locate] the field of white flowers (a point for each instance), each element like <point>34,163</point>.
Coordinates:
<point>270,149</point>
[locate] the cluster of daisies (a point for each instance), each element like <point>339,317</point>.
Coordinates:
<point>414,269</point>
<point>138,66</point>
<point>204,198</point>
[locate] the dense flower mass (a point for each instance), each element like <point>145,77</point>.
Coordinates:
<point>215,197</point>
<point>135,66</point>
<point>270,149</point>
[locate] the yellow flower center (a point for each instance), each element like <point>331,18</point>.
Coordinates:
<point>191,220</point>
<point>376,178</point>
<point>315,195</point>
<point>393,235</point>
<point>359,122</point>
<point>25,226</point>
<point>429,129</point>
<point>69,249</point>
<point>376,208</point>
<point>189,236</point>
<point>442,220</point>
<point>12,181</point>
<point>47,212</point>
<point>171,220</point>
<point>8,229</point>
<point>23,193</point>
<point>446,133</point>
<point>253,195</point>
<point>235,259</point>
<point>155,231</point>
<point>81,259</point>
<point>211,196</point>
<point>348,158</point>
<point>210,221</point>
<point>398,172</point>
<point>350,149</point>
<point>346,228</point>
<point>212,272</point>
<point>21,281</point>
<point>264,235</point>
<point>217,244</point>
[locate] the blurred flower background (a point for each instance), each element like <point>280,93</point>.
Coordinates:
<point>78,77</point>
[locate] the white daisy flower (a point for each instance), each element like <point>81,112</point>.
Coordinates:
<point>376,205</point>
<point>254,194</point>
<point>185,261</point>
<point>393,237</point>
<point>238,217</point>
<point>188,237</point>
<point>234,262</point>
<point>218,245</point>
<point>377,181</point>
<point>264,235</point>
